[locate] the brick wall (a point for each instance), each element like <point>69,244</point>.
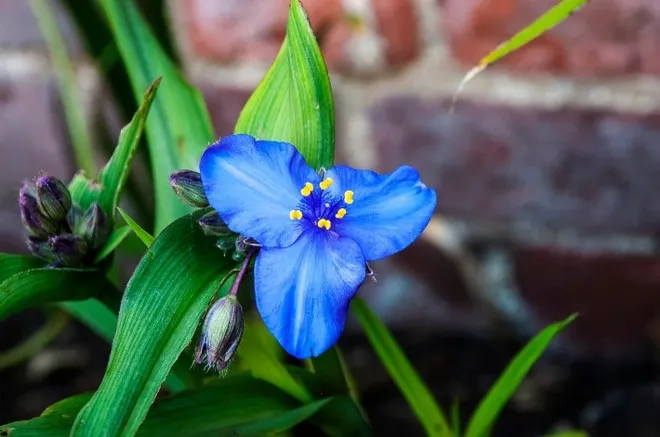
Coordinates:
<point>545,170</point>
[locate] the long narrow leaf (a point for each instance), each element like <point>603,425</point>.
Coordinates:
<point>492,404</point>
<point>404,375</point>
<point>107,187</point>
<point>179,126</point>
<point>161,308</point>
<point>37,287</point>
<point>143,235</point>
<point>554,16</point>
<point>10,264</point>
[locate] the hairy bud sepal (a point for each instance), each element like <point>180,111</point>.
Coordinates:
<point>94,227</point>
<point>222,333</point>
<point>187,185</point>
<point>53,197</point>
<point>34,221</point>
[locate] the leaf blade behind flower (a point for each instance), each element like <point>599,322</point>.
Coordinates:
<point>293,103</point>
<point>179,127</point>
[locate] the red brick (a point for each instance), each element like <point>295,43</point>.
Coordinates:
<point>605,37</point>
<point>397,24</point>
<point>246,29</point>
<point>594,171</point>
<point>616,295</point>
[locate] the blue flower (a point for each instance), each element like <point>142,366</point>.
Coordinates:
<point>316,232</point>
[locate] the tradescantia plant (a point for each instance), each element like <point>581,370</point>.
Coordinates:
<point>263,213</point>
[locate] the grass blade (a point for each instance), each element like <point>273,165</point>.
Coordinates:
<point>179,126</point>
<point>114,240</point>
<point>404,375</point>
<point>143,235</point>
<point>66,77</point>
<point>492,404</point>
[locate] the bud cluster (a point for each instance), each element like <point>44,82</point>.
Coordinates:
<point>187,185</point>
<point>58,231</point>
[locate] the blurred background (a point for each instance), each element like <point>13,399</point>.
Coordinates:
<point>546,170</point>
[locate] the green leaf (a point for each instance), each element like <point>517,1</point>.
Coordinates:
<point>554,16</point>
<point>404,375</point>
<point>237,406</point>
<point>110,181</point>
<point>10,264</point>
<point>95,315</point>
<point>256,353</point>
<point>179,127</point>
<point>36,287</point>
<point>114,240</point>
<point>143,235</point>
<point>492,404</point>
<point>72,102</point>
<point>162,306</point>
<point>293,103</point>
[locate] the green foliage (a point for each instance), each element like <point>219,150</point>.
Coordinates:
<point>293,103</point>
<point>179,127</point>
<point>404,375</point>
<point>146,238</point>
<point>490,407</point>
<point>162,305</point>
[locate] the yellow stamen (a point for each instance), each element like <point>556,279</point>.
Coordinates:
<point>325,184</point>
<point>348,197</point>
<point>323,223</point>
<point>307,189</point>
<point>341,212</point>
<point>295,214</point>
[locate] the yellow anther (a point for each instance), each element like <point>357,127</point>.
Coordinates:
<point>295,214</point>
<point>307,189</point>
<point>325,184</point>
<point>323,223</point>
<point>341,212</point>
<point>348,197</point>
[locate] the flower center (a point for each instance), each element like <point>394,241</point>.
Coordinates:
<point>320,206</point>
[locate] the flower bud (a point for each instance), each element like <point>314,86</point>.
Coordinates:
<point>223,330</point>
<point>187,184</point>
<point>36,224</point>
<point>53,197</point>
<point>94,227</point>
<point>75,218</point>
<point>69,249</point>
<point>41,248</point>
<point>226,244</point>
<point>213,225</point>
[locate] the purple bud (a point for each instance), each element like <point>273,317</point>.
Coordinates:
<point>223,330</point>
<point>94,227</point>
<point>41,248</point>
<point>213,225</point>
<point>36,224</point>
<point>53,197</point>
<point>187,184</point>
<point>69,249</point>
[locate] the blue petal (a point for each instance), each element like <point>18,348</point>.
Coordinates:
<point>303,291</point>
<point>388,212</point>
<point>254,185</point>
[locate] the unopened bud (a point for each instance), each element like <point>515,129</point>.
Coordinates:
<point>94,227</point>
<point>41,248</point>
<point>226,244</point>
<point>75,218</point>
<point>69,249</point>
<point>213,225</point>
<point>34,222</point>
<point>187,184</point>
<point>54,197</point>
<point>223,330</point>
